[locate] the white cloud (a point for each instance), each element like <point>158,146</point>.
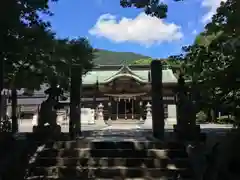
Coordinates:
<point>212,6</point>
<point>143,29</point>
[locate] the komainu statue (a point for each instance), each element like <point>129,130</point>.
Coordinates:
<point>47,118</point>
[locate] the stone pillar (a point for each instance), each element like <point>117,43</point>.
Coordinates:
<point>75,101</point>
<point>186,128</point>
<point>14,110</point>
<point>181,126</point>
<point>157,99</point>
<point>193,129</point>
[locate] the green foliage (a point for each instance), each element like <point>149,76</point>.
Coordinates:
<point>212,62</point>
<point>225,120</point>
<point>69,52</point>
<point>32,52</point>
<point>172,62</point>
<point>151,7</point>
<point>104,57</point>
<point>201,117</point>
<point>25,42</point>
<point>146,61</point>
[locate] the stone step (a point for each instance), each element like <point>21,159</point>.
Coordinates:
<point>107,172</point>
<point>111,153</point>
<point>116,178</point>
<point>101,144</point>
<point>110,162</point>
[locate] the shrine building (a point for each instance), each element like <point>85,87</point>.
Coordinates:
<point>123,90</point>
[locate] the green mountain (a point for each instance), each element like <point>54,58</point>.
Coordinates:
<point>105,57</point>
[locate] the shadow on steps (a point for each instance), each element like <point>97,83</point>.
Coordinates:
<point>84,159</point>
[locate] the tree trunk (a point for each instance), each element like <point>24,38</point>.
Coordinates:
<point>208,113</point>
<point>14,110</point>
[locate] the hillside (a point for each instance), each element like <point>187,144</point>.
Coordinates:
<point>105,57</point>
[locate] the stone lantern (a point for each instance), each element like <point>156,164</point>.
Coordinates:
<point>149,111</point>
<point>100,112</point>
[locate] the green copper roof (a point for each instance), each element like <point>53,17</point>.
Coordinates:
<point>141,75</point>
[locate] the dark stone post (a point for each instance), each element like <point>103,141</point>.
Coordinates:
<point>14,110</point>
<point>75,101</point>
<point>157,99</point>
<point>1,84</point>
<point>182,121</point>
<point>186,128</point>
<point>181,102</point>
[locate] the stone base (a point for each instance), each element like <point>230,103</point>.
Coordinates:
<point>100,122</point>
<point>46,131</point>
<point>188,133</point>
<point>109,122</point>
<point>148,123</point>
<point>91,122</point>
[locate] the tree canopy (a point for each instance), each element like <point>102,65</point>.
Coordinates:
<point>155,8</point>
<point>212,61</point>
<point>30,50</point>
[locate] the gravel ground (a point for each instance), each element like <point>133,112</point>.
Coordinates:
<point>131,129</point>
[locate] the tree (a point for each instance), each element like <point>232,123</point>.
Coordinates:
<point>151,7</point>
<point>143,61</point>
<point>24,40</point>
<point>79,56</point>
<point>67,52</point>
<point>212,60</point>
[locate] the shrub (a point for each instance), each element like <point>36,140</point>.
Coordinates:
<point>201,117</point>
<point>225,120</point>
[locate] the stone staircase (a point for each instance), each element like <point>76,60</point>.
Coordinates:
<point>101,159</point>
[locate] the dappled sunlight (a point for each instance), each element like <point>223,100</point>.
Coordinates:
<point>128,157</point>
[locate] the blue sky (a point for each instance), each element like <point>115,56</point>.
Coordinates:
<point>109,26</point>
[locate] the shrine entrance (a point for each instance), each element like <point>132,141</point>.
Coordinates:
<point>126,106</point>
<point>126,109</point>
